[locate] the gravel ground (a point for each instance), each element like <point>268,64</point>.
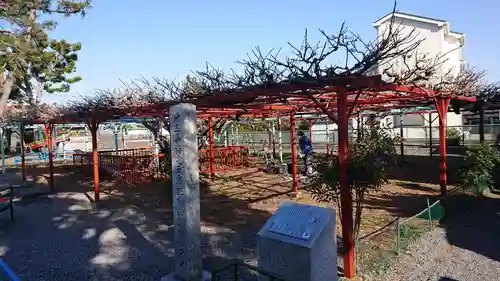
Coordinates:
<point>61,237</point>
<point>465,248</point>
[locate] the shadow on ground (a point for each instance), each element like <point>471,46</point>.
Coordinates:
<point>473,223</point>
<point>126,236</point>
<point>447,279</point>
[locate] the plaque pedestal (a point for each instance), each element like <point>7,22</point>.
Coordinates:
<point>298,243</point>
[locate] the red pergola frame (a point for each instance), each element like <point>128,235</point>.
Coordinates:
<point>344,96</point>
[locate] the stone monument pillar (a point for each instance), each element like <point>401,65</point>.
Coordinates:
<point>186,195</point>
<point>298,244</point>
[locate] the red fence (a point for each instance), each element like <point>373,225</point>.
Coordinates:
<point>225,158</point>
<point>141,165</point>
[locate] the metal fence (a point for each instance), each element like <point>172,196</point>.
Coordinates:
<point>375,251</point>
<point>417,140</point>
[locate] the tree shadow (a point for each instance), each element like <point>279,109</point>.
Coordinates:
<point>400,205</point>
<point>473,223</point>
<point>63,236</point>
<point>60,236</point>
<point>140,220</point>
<point>415,187</point>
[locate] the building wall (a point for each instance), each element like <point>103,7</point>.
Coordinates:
<point>437,45</point>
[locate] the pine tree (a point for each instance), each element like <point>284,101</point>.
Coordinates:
<point>26,52</point>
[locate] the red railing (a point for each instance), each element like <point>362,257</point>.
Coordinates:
<point>141,165</point>
<point>225,158</point>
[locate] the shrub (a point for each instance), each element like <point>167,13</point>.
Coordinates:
<point>478,167</point>
<point>453,136</point>
<point>369,163</point>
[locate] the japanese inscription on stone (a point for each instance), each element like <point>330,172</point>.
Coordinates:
<point>295,221</point>
<point>185,183</point>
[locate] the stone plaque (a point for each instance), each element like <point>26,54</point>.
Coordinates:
<point>298,243</point>
<point>296,221</point>
<point>186,193</point>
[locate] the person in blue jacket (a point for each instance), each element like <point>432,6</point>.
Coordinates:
<point>307,150</point>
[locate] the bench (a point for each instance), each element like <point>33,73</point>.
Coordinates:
<point>6,196</point>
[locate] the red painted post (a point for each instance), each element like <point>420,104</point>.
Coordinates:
<point>309,123</point>
<point>48,133</point>
<point>23,156</point>
<point>211,147</point>
<point>95,158</point>
<point>345,192</point>
<point>442,107</point>
<point>293,144</point>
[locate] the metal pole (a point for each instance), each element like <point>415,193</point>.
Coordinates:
<point>359,122</point>
<point>237,135</point>
<point>295,184</point>
<point>345,191</point>
<point>225,137</point>
<point>481,121</point>
<point>23,156</point>
<point>273,132</point>
<point>397,236</point>
<point>309,125</point>
<point>2,147</point>
<point>430,135</point>
<point>123,139</point>
<point>211,147</point>
<point>280,141</point>
<point>429,213</point>
<point>327,139</point>
<point>401,132</point>
<point>63,145</point>
<point>86,139</point>
<point>115,135</point>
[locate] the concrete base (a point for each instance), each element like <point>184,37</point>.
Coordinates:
<point>206,276</point>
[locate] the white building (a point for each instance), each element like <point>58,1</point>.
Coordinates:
<point>438,41</point>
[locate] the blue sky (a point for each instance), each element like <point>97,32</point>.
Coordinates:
<point>128,39</point>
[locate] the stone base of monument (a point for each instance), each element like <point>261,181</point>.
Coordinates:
<point>206,276</point>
